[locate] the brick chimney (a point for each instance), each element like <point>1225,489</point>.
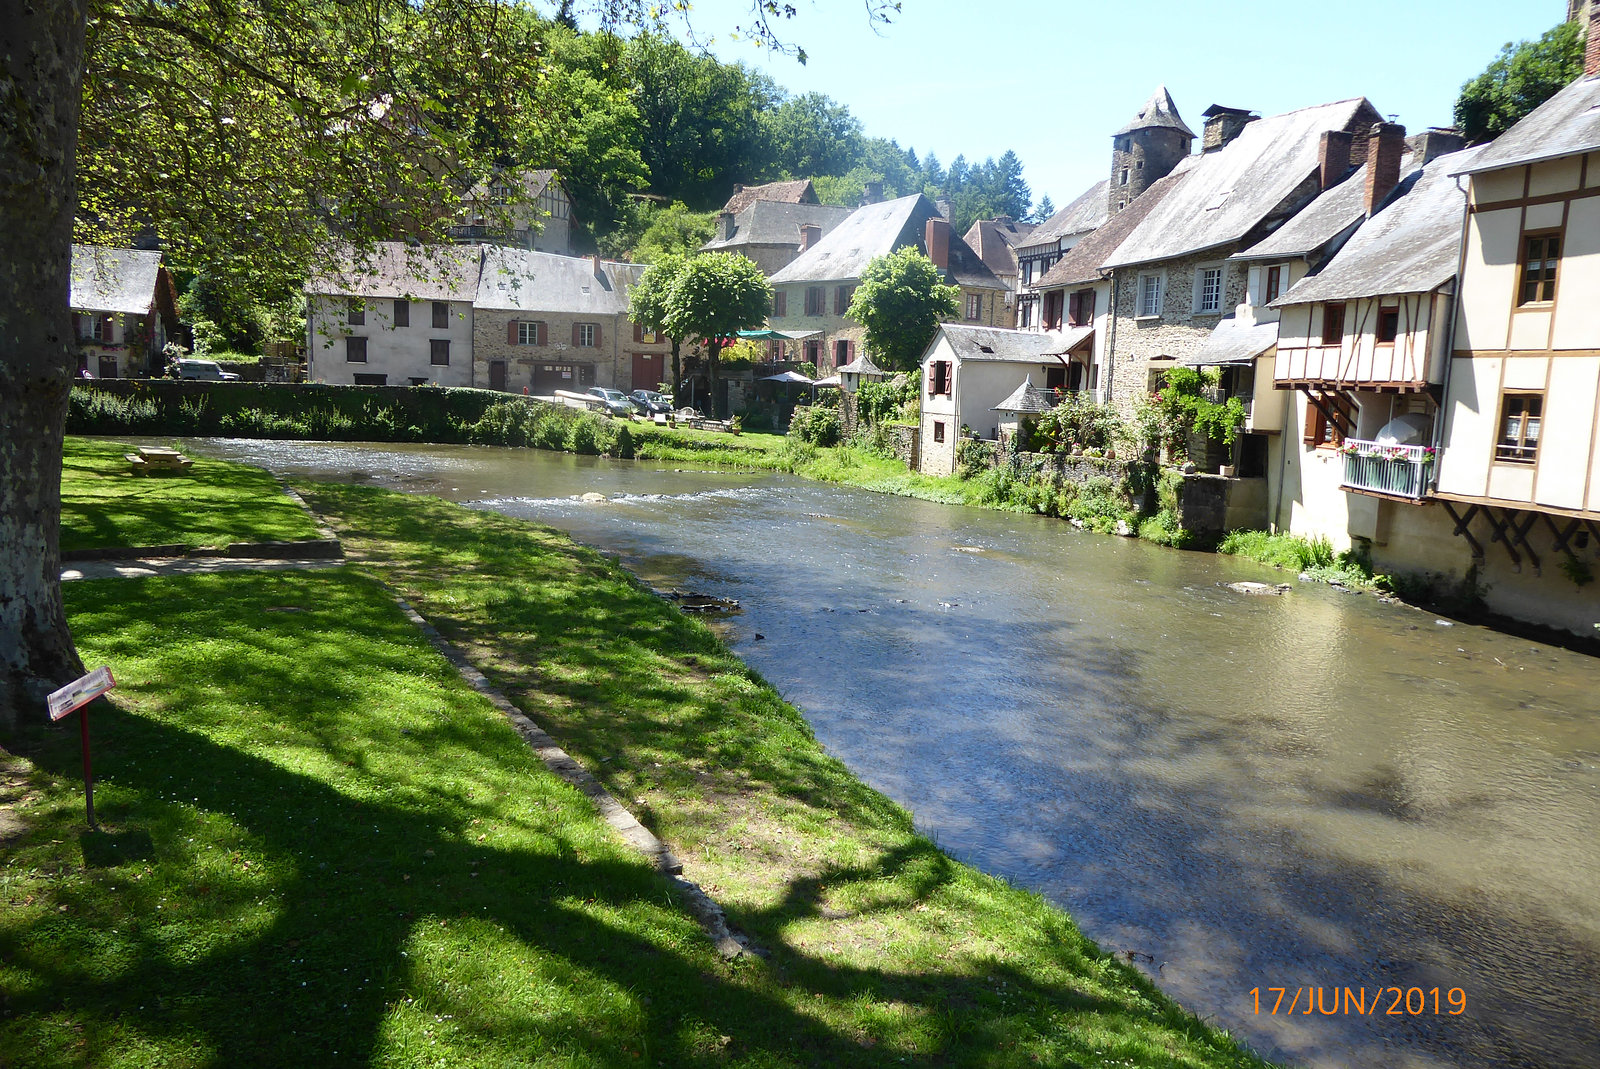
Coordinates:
<point>1333,157</point>
<point>937,238</point>
<point>1384,149</point>
<point>810,234</point>
<point>1591,40</point>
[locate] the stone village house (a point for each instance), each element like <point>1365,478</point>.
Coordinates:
<point>124,309</point>
<point>812,293</point>
<point>774,223</point>
<point>995,241</point>
<point>486,316</point>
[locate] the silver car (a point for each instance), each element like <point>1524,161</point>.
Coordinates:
<point>204,369</point>
<point>615,401</point>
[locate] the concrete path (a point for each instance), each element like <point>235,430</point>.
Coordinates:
<point>136,569</point>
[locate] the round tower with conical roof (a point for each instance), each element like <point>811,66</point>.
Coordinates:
<point>1147,149</point>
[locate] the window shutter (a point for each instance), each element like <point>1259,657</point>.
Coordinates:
<point>597,335</point>
<point>850,352</point>
<point>1311,435</point>
<point>511,332</point>
<point>638,333</point>
<point>574,334</point>
<point>540,335</point>
<point>780,303</point>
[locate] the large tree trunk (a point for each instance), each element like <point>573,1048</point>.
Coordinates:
<point>40,91</point>
<point>712,350</point>
<point>677,375</point>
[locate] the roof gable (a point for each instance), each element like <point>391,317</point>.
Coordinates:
<point>1082,263</point>
<point>1228,193</point>
<point>771,222</point>
<point>799,191</point>
<point>1159,111</point>
<point>113,280</point>
<point>1088,212</point>
<point>878,229</point>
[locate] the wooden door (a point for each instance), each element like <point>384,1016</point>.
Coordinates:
<point>649,371</point>
<point>497,375</point>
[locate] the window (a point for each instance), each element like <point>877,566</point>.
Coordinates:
<point>1388,325</point>
<point>355,350</point>
<point>441,315</point>
<point>402,313</point>
<point>813,351</point>
<point>1540,253</point>
<point>974,306</point>
<point>939,378</point>
<point>938,430</point>
<point>1149,295</point>
<point>527,333</point>
<point>1520,416</point>
<point>1124,179</point>
<point>1080,308</point>
<point>1332,324</point>
<point>815,300</point>
<point>642,336</point>
<point>1052,310</point>
<point>841,299</point>
<point>584,335</point>
<point>1320,430</point>
<point>439,352</point>
<point>356,312</point>
<point>1208,290</point>
<point>841,353</point>
<point>100,328</point>
<point>780,304</point>
<point>1275,278</point>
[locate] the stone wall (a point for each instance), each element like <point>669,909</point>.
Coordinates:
<point>1177,331</point>
<point>1210,506</point>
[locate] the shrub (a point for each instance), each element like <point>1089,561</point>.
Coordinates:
<point>1164,530</point>
<point>1099,504</point>
<point>817,426</point>
<point>1077,420</point>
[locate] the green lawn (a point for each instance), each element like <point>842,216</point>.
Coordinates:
<point>104,505</point>
<point>322,848</point>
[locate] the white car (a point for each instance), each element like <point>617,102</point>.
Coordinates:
<point>204,369</point>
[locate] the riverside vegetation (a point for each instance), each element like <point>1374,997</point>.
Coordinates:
<point>305,808</point>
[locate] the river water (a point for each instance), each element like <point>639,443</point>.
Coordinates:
<point>1315,791</point>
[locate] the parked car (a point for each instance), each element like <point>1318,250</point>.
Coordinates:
<point>204,369</point>
<point>652,403</point>
<point>615,401</point>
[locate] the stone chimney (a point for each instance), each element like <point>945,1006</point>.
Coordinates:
<point>810,234</point>
<point>594,260</point>
<point>1223,125</point>
<point>1333,157</point>
<point>873,193</point>
<point>738,188</point>
<point>1436,141</point>
<point>944,207</point>
<point>1384,149</point>
<point>1591,40</point>
<point>725,225</point>
<point>937,238</point>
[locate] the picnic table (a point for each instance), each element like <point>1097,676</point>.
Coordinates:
<point>152,458</point>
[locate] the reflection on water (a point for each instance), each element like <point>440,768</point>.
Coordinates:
<point>1313,790</point>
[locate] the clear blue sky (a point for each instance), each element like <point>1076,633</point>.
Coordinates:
<point>1051,80</point>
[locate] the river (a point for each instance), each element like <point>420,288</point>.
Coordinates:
<point>1240,794</point>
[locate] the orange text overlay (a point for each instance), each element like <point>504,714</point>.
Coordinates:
<point>1360,1001</point>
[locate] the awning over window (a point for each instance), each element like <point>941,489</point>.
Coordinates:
<point>1230,342</point>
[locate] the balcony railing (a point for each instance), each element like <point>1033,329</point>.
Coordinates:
<point>1401,470</point>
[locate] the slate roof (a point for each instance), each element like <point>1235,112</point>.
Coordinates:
<point>1008,346</point>
<point>396,269</point>
<point>771,222</point>
<point>1082,263</point>
<point>1231,342</point>
<point>1333,212</point>
<point>1230,192</point>
<point>995,241</point>
<point>796,192</point>
<point>1028,398</point>
<point>1088,212</point>
<point>1159,110</point>
<point>1411,246</point>
<point>875,229</point>
<point>862,365</point>
<point>520,280</point>
<point>1566,124</point>
<point>113,280</point>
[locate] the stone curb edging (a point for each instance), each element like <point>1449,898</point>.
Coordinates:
<point>704,909</point>
<point>323,529</point>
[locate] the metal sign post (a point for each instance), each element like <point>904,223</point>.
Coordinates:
<point>74,696</point>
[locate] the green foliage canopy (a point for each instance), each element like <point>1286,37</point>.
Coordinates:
<point>1521,78</point>
<point>900,300</point>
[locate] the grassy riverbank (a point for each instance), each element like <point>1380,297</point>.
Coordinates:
<point>104,505</point>
<point>322,848</point>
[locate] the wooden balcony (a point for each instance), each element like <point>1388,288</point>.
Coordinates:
<point>1391,470</point>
